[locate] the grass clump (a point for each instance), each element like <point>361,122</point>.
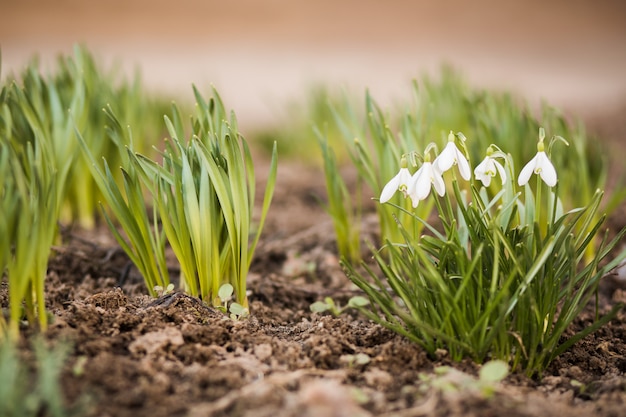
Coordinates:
<point>48,108</point>
<point>43,180</point>
<point>202,193</point>
<point>499,276</point>
<point>30,196</point>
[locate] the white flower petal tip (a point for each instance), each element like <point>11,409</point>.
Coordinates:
<point>422,182</point>
<point>541,166</point>
<point>400,182</point>
<point>451,155</point>
<point>464,168</point>
<point>546,170</point>
<point>389,190</point>
<point>501,171</point>
<point>488,169</point>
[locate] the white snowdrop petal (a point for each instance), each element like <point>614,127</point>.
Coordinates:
<point>484,178</point>
<point>464,167</point>
<point>423,181</point>
<point>404,177</point>
<point>440,186</point>
<point>527,171</point>
<point>501,170</point>
<point>481,168</point>
<point>390,189</point>
<point>490,167</point>
<point>547,172</point>
<point>422,189</point>
<point>446,158</point>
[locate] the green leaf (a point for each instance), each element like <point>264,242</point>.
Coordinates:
<point>225,292</point>
<point>319,307</point>
<point>238,310</point>
<point>358,301</point>
<point>493,371</point>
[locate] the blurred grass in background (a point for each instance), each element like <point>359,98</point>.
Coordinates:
<point>375,139</point>
<point>47,107</point>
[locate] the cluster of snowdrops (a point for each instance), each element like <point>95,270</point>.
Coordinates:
<point>418,185</point>
<point>500,273</point>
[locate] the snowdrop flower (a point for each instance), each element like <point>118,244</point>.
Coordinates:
<point>541,166</point>
<point>400,182</point>
<point>451,155</point>
<point>421,181</point>
<point>489,167</point>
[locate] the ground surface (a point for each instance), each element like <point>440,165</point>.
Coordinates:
<point>176,357</point>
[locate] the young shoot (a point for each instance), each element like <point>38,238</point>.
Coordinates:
<point>449,380</point>
<point>236,310</point>
<point>334,308</point>
<point>28,222</point>
<point>160,291</point>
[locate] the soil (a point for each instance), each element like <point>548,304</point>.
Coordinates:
<point>133,355</point>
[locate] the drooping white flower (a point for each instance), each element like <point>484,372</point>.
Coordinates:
<point>421,182</point>
<point>400,182</point>
<point>541,166</point>
<point>451,155</point>
<point>488,169</point>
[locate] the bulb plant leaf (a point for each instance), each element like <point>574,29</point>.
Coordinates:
<point>496,277</point>
<point>202,193</point>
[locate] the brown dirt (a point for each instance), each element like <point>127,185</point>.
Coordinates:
<point>174,356</point>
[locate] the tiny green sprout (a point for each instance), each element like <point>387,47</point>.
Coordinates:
<point>357,302</point>
<point>579,386</point>
<point>356,360</point>
<point>493,371</point>
<point>491,374</point>
<point>450,380</point>
<point>359,396</point>
<point>238,312</point>
<point>335,309</point>
<point>79,366</point>
<point>224,294</point>
<point>160,291</point>
<point>327,305</point>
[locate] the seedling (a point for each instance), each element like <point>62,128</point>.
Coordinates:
<point>335,309</point>
<point>449,380</point>
<point>160,291</point>
<point>236,310</point>
<point>356,360</point>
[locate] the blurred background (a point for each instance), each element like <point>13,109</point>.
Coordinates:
<point>263,54</point>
